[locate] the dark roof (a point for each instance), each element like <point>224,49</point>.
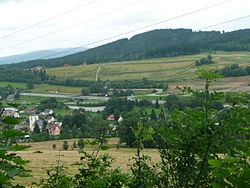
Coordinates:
<point>39,122</point>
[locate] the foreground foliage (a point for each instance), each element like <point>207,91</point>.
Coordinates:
<point>11,165</point>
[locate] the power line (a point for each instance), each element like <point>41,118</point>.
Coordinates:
<point>51,18</point>
<point>144,27</point>
<point>73,25</point>
<point>228,21</point>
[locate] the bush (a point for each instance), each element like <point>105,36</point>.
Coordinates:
<point>65,145</point>
<point>204,61</point>
<point>80,144</point>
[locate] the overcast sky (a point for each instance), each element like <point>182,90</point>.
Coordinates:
<point>86,21</point>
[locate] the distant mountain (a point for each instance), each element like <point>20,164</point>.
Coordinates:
<point>40,54</point>
<point>154,44</point>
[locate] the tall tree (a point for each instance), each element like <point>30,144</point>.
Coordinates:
<point>37,129</point>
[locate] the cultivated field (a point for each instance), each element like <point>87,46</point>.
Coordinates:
<point>170,69</point>
<point>232,84</point>
<point>40,162</point>
<point>54,89</point>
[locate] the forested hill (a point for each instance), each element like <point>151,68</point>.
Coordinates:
<point>152,44</point>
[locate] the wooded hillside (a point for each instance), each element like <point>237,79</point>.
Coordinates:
<point>153,44</point>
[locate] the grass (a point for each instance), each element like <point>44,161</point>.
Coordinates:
<point>40,162</point>
<point>53,89</point>
<point>171,69</point>
<point>45,88</point>
<point>14,84</point>
<point>38,99</point>
<point>142,92</point>
<point>150,97</point>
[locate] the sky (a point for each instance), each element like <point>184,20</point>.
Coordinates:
<point>28,25</point>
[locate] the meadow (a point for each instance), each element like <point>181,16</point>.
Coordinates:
<point>45,88</point>
<point>171,69</point>
<point>40,162</point>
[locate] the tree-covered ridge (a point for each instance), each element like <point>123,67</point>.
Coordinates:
<point>152,44</point>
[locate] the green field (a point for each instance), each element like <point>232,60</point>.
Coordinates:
<point>45,88</point>
<point>14,84</point>
<point>171,69</point>
<point>53,89</point>
<point>175,70</point>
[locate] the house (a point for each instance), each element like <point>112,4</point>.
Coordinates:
<point>47,112</point>
<point>21,127</point>
<point>120,119</point>
<point>11,109</point>
<point>32,119</point>
<point>54,129</point>
<point>14,114</point>
<point>50,119</point>
<point>11,112</point>
<point>30,110</point>
<point>111,117</point>
<point>39,68</point>
<point>11,97</point>
<point>58,123</point>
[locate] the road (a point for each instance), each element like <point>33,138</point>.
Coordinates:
<point>97,72</point>
<point>66,96</point>
<point>96,97</point>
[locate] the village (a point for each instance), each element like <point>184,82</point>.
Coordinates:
<point>33,121</point>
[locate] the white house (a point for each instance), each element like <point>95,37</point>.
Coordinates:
<point>12,112</point>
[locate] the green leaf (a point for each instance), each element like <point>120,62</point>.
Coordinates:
<point>105,147</point>
<point>215,163</point>
<point>11,120</point>
<point>14,172</point>
<point>216,185</point>
<point>93,142</point>
<point>3,179</point>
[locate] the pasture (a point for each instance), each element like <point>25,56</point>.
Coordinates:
<point>40,162</point>
<point>179,68</point>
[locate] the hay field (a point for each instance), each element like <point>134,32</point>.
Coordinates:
<point>230,84</point>
<point>40,162</point>
<point>54,89</point>
<point>171,69</point>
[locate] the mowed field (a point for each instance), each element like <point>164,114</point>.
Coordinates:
<point>170,69</point>
<point>45,88</point>
<point>40,162</point>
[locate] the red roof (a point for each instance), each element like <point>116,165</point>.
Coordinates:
<point>53,127</point>
<point>49,117</point>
